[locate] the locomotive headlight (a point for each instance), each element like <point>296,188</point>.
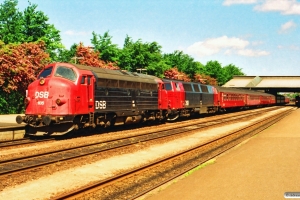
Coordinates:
<point>42,81</point>
<point>60,101</point>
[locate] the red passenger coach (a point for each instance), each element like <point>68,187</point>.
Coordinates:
<point>253,100</point>
<point>267,99</point>
<point>231,98</point>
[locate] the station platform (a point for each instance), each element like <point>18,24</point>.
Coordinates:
<point>9,120</point>
<point>265,166</point>
<point>9,128</point>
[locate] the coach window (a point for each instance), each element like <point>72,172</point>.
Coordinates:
<point>65,72</point>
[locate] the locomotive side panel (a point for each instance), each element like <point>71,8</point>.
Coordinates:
<point>125,97</point>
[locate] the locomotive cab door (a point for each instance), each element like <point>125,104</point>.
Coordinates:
<point>85,98</point>
<point>162,97</point>
<point>90,92</point>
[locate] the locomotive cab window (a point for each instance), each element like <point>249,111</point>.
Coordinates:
<point>89,80</point>
<point>168,86</point>
<point>82,80</point>
<point>45,73</point>
<point>65,72</point>
<point>177,86</point>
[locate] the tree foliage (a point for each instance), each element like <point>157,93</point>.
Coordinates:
<point>109,52</point>
<point>205,79</point>
<point>215,70</point>
<point>173,73</point>
<point>19,66</point>
<point>87,56</point>
<point>183,62</point>
<point>28,26</point>
<point>65,55</point>
<point>231,70</point>
<point>10,22</point>
<point>139,55</point>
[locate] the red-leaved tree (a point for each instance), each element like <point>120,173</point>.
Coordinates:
<point>91,58</point>
<point>20,64</point>
<point>173,73</point>
<point>205,79</point>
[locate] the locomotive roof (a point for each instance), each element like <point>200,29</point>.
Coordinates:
<point>118,74</point>
<point>241,91</point>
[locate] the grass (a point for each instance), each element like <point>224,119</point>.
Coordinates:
<point>209,162</point>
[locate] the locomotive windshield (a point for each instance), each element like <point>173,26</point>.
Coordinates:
<point>65,72</point>
<point>45,73</point>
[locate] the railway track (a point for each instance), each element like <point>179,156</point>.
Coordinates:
<point>23,141</point>
<point>21,164</point>
<point>140,180</point>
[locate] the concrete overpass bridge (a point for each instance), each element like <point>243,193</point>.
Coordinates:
<point>268,84</point>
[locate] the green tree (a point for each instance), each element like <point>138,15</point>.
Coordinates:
<point>65,55</point>
<point>28,26</point>
<point>230,71</point>
<point>215,70</point>
<point>183,62</point>
<point>109,52</point>
<point>158,69</point>
<point>11,22</point>
<point>139,55</point>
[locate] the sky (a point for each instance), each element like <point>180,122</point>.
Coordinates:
<point>262,37</point>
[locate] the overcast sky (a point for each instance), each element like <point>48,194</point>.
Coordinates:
<point>260,36</point>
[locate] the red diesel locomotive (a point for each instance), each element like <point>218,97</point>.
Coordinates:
<point>70,96</point>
